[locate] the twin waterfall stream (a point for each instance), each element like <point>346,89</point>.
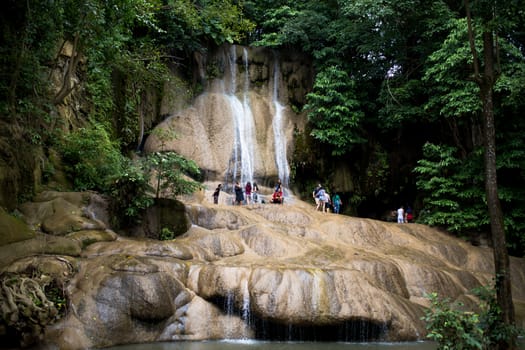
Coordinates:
<point>246,149</point>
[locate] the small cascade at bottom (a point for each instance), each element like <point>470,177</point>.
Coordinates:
<point>354,330</point>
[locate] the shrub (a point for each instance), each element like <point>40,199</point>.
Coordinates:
<point>454,328</point>
<point>91,158</point>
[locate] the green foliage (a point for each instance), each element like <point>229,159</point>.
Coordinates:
<point>139,82</point>
<point>401,101</point>
<point>114,48</point>
<point>130,191</point>
<point>452,93</point>
<point>188,25</point>
<point>91,157</point>
<point>161,173</point>
<point>454,328</point>
<point>454,190</point>
<point>303,25</point>
<point>171,172</point>
<point>377,172</point>
<point>166,234</point>
<point>334,110</point>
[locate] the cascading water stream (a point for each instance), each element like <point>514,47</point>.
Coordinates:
<point>244,143</point>
<point>278,128</point>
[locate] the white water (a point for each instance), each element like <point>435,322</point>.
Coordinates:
<point>244,157</point>
<point>281,158</point>
<point>244,143</point>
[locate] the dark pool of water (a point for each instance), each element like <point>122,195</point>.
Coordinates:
<point>261,345</point>
<point>268,345</point>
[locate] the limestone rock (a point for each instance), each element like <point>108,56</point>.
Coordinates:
<point>281,265</point>
<point>206,131</point>
<point>42,244</point>
<point>243,272</point>
<point>59,213</point>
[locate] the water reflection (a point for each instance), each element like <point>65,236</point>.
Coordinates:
<point>261,345</point>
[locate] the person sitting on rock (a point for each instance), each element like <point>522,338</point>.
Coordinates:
<point>277,196</point>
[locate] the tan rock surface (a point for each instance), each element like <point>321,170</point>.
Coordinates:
<point>285,264</point>
<point>240,269</point>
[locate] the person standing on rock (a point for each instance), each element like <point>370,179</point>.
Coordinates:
<point>248,192</point>
<point>321,194</point>
<point>336,201</point>
<point>401,215</point>
<point>239,197</point>
<point>316,197</point>
<point>216,194</point>
<point>255,192</point>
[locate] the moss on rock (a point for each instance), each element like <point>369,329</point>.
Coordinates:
<point>13,229</point>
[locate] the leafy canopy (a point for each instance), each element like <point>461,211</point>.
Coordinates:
<point>333,110</point>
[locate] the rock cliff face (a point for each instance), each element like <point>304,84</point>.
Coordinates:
<point>264,271</point>
<point>242,126</point>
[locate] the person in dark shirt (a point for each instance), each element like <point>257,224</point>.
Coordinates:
<point>239,196</point>
<point>216,194</point>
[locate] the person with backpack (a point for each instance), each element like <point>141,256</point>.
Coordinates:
<point>321,195</point>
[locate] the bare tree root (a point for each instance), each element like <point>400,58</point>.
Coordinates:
<point>26,305</point>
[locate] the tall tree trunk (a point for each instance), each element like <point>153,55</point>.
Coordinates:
<point>501,257</point>
<point>486,82</point>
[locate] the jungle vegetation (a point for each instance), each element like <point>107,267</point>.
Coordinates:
<point>422,98</point>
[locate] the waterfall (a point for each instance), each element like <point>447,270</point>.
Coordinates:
<point>281,159</point>
<point>244,143</point>
<point>242,161</point>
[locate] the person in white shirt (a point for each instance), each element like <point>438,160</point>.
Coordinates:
<point>401,215</point>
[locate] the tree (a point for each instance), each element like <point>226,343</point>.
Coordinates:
<point>334,110</point>
<point>486,80</point>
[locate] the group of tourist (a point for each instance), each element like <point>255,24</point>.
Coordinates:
<point>250,193</point>
<point>324,202</point>
<point>404,216</point>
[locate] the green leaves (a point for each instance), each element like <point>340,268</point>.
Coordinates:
<point>453,189</point>
<point>172,173</point>
<point>455,328</point>
<point>91,158</point>
<point>190,25</point>
<point>452,328</point>
<point>159,174</point>
<point>334,110</point>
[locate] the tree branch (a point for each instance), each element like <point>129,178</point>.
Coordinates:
<point>471,39</point>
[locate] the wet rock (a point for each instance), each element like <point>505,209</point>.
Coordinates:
<point>288,266</point>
